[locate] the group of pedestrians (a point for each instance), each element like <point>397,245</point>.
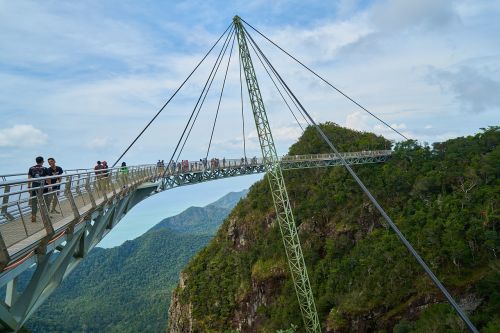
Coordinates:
<point>102,174</point>
<point>49,187</point>
<point>203,164</point>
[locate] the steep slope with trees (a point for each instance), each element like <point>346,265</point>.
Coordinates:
<point>444,198</point>
<point>128,288</point>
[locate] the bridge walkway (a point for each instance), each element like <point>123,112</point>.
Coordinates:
<point>82,192</point>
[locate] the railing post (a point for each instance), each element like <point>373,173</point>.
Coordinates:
<point>44,212</point>
<point>5,202</point>
<point>112,183</point>
<point>134,177</point>
<point>130,179</point>
<point>4,254</point>
<point>69,195</point>
<point>89,191</point>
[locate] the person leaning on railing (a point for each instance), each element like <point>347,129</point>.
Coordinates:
<point>36,171</point>
<point>54,170</point>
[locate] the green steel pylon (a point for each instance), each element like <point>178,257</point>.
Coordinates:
<point>278,190</point>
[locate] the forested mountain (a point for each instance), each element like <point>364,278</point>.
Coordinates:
<point>128,288</point>
<point>202,220</point>
<point>445,198</point>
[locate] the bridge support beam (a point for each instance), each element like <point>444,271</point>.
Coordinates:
<point>56,262</point>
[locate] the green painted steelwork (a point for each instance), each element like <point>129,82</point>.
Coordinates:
<point>284,213</point>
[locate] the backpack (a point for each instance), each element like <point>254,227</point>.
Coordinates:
<point>37,172</point>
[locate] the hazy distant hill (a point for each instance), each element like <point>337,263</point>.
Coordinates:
<point>202,220</point>
<point>128,288</point>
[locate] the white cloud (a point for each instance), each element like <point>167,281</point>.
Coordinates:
<point>99,143</point>
<point>97,70</point>
<point>22,136</point>
<point>397,15</point>
<point>287,133</point>
<point>363,122</point>
<point>474,90</point>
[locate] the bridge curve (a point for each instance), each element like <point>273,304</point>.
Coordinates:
<point>91,205</point>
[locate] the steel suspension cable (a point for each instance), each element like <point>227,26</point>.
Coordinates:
<point>288,94</point>
<point>194,109</point>
<point>204,92</point>
<point>279,91</point>
<point>242,116</point>
<point>325,81</point>
<point>220,97</point>
<point>171,97</point>
<point>393,226</point>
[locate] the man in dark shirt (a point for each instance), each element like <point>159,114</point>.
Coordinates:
<point>36,171</point>
<point>98,175</point>
<point>54,170</point>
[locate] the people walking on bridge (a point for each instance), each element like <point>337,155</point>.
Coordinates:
<point>161,166</point>
<point>36,171</point>
<point>106,176</point>
<point>98,170</point>
<point>54,170</point>
<point>124,174</point>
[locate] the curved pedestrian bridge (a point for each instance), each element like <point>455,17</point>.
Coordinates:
<point>72,220</point>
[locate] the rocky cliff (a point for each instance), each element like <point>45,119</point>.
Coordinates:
<point>445,199</point>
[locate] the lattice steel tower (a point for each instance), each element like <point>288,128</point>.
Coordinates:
<point>278,189</point>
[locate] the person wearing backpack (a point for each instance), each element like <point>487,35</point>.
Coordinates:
<point>35,172</point>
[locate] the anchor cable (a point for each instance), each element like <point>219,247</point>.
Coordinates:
<point>197,102</point>
<point>220,97</point>
<point>205,93</point>
<point>325,81</point>
<point>279,91</point>
<point>393,226</point>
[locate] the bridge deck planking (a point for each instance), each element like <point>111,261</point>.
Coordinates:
<point>15,230</point>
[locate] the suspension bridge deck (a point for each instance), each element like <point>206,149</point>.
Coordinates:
<point>83,192</point>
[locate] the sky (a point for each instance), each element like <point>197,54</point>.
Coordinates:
<point>80,79</point>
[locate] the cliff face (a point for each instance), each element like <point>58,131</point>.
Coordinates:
<point>445,200</point>
<point>182,313</point>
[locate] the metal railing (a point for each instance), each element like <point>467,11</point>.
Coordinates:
<point>38,207</point>
<point>29,213</point>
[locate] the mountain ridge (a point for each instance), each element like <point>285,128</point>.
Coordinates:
<point>127,288</point>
